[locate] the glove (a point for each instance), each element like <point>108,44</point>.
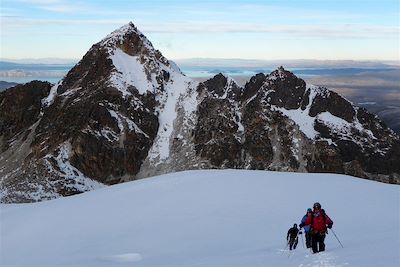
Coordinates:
<point>330,226</point>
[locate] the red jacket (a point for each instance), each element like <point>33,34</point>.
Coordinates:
<point>318,221</point>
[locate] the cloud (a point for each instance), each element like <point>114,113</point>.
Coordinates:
<point>346,30</point>
<point>200,17</point>
<point>27,22</point>
<point>207,27</point>
<point>59,6</point>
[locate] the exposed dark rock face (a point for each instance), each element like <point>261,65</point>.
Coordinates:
<point>20,108</point>
<point>286,89</point>
<point>257,142</point>
<point>220,87</point>
<point>334,104</point>
<point>215,134</point>
<point>253,86</point>
<point>125,112</point>
<point>221,148</point>
<point>97,122</point>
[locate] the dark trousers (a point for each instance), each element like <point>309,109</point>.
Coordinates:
<point>293,243</point>
<point>308,239</point>
<point>317,242</point>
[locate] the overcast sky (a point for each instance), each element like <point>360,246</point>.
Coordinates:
<point>249,29</point>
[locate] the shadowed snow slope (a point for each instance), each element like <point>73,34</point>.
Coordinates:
<point>205,218</point>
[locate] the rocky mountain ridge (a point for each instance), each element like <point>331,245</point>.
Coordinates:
<point>125,112</point>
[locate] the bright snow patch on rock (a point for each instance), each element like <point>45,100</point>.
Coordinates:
<point>306,122</point>
<point>341,126</point>
<point>130,72</point>
<point>52,95</point>
<point>302,117</point>
<point>179,92</point>
<point>69,172</point>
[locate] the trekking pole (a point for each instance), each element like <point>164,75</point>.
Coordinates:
<point>290,252</point>
<point>337,238</point>
<point>302,240</point>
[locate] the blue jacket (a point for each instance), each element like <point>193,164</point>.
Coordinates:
<point>307,227</point>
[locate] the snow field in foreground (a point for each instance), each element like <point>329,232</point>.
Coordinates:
<point>205,218</point>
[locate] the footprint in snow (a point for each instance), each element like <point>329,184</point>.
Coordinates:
<point>323,259</point>
<point>125,258</point>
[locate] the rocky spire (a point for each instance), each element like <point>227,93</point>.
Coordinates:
<point>281,73</point>
<point>129,39</point>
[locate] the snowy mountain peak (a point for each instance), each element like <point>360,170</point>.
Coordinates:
<point>129,39</point>
<point>280,73</point>
<point>137,65</point>
<point>125,29</point>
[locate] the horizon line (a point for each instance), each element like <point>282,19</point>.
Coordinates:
<point>211,58</point>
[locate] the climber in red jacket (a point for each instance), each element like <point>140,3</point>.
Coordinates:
<point>319,222</point>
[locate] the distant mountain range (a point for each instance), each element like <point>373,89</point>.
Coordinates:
<point>210,67</point>
<point>47,61</point>
<point>5,85</point>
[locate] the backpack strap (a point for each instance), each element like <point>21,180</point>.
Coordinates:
<point>324,218</point>
<point>311,223</point>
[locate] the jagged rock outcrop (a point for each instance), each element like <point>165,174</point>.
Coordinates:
<point>216,136</point>
<point>125,112</point>
<point>287,125</point>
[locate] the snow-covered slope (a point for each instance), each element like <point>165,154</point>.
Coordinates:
<point>205,218</point>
